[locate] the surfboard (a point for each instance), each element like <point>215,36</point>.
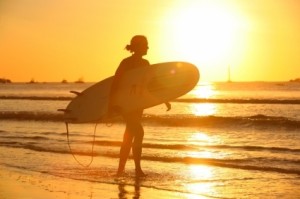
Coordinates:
<point>139,88</point>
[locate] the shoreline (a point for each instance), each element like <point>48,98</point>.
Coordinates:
<point>21,184</point>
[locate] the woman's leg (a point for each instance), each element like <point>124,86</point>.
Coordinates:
<point>134,132</point>
<point>125,150</point>
<point>137,149</point>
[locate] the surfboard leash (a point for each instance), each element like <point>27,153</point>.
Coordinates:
<point>71,151</point>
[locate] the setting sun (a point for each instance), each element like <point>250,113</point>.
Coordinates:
<point>207,33</point>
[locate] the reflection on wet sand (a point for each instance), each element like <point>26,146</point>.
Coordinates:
<point>125,190</point>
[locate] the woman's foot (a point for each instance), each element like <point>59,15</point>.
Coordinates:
<point>120,173</point>
<point>139,173</point>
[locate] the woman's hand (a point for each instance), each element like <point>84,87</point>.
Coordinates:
<point>168,105</point>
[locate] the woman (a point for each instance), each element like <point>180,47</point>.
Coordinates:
<point>134,132</point>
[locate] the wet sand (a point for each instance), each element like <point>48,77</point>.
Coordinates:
<point>15,183</point>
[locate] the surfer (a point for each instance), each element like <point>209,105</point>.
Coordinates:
<point>134,132</point>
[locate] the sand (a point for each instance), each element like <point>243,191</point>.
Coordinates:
<point>20,184</point>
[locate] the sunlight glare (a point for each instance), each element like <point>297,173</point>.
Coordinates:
<point>200,154</point>
<point>200,137</point>
<point>204,37</point>
<point>200,172</point>
<point>203,91</point>
<point>203,109</point>
<point>205,32</point>
<point>206,91</point>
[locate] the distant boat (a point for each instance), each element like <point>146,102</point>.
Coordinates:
<point>4,81</point>
<point>80,81</point>
<point>295,80</point>
<point>64,81</point>
<point>32,81</point>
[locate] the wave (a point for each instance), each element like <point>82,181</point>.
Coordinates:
<point>219,121</point>
<point>173,120</point>
<point>186,100</point>
<point>259,164</point>
<point>239,101</point>
<point>26,115</point>
<point>60,98</point>
<point>112,143</point>
<point>197,147</point>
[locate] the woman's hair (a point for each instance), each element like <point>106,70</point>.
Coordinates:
<point>136,42</point>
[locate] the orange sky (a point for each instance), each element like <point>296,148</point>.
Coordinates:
<point>51,40</point>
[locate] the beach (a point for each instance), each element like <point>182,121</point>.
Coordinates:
<point>17,184</point>
<point>221,140</point>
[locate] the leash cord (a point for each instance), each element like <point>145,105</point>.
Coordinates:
<point>93,144</point>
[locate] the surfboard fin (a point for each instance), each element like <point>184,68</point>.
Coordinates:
<point>76,93</point>
<point>64,110</point>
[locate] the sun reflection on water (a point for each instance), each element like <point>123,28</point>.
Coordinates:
<point>200,137</point>
<point>205,109</point>
<point>201,175</point>
<point>203,139</point>
<point>201,184</point>
<point>204,90</point>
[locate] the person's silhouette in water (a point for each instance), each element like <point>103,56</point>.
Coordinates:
<point>134,132</point>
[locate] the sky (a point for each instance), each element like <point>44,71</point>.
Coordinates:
<point>52,40</point>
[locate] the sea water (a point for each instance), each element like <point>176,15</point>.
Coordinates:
<point>221,140</point>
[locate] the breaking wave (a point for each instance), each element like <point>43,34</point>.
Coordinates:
<point>267,165</point>
<point>186,100</point>
<point>174,120</point>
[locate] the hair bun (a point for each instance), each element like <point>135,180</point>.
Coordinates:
<point>128,47</point>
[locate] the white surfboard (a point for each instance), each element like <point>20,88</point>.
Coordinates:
<point>139,88</point>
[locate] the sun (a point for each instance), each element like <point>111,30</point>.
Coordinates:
<point>205,32</point>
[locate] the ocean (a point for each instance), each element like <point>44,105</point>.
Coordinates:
<point>220,140</point>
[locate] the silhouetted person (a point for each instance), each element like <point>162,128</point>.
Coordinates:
<point>134,132</point>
